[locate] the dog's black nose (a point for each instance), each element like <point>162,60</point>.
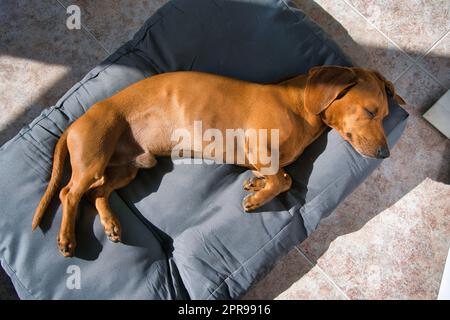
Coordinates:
<point>383,153</point>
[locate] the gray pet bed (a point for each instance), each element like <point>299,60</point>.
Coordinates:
<point>184,232</point>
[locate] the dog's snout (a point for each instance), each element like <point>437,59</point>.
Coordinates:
<point>383,153</point>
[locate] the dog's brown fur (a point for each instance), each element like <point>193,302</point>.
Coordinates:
<point>119,135</point>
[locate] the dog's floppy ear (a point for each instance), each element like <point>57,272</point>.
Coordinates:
<point>325,84</point>
<point>389,88</point>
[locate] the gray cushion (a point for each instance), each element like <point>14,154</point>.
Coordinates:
<point>184,232</point>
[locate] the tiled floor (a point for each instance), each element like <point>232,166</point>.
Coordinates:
<point>373,245</point>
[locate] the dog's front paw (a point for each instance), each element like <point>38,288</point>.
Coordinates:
<point>250,203</point>
<point>66,245</point>
<point>113,230</point>
<point>254,183</point>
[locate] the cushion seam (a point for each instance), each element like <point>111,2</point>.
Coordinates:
<point>247,261</point>
<point>158,237</point>
<point>14,274</point>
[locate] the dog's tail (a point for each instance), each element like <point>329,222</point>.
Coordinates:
<point>59,158</point>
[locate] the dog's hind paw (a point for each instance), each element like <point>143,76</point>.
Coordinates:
<point>66,246</point>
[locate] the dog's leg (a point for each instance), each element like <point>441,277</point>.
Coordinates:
<point>265,191</point>
<point>70,196</point>
<point>90,147</point>
<point>115,178</point>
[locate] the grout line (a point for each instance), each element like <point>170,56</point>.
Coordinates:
<point>381,32</point>
<point>435,44</point>
<point>421,59</point>
<point>92,35</point>
<point>403,72</point>
<point>415,62</point>
<point>423,69</point>
<point>323,273</point>
<point>411,59</point>
<point>85,29</point>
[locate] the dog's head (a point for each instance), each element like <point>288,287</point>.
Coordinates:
<point>354,102</point>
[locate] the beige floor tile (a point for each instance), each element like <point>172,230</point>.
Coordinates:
<point>414,25</point>
<point>40,59</point>
<point>293,278</point>
<point>114,22</point>
<point>362,43</point>
<point>312,286</point>
<point>400,253</point>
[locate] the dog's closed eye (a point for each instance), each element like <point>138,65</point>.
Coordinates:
<point>371,114</point>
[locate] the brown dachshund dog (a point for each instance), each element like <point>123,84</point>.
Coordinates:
<point>118,136</point>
